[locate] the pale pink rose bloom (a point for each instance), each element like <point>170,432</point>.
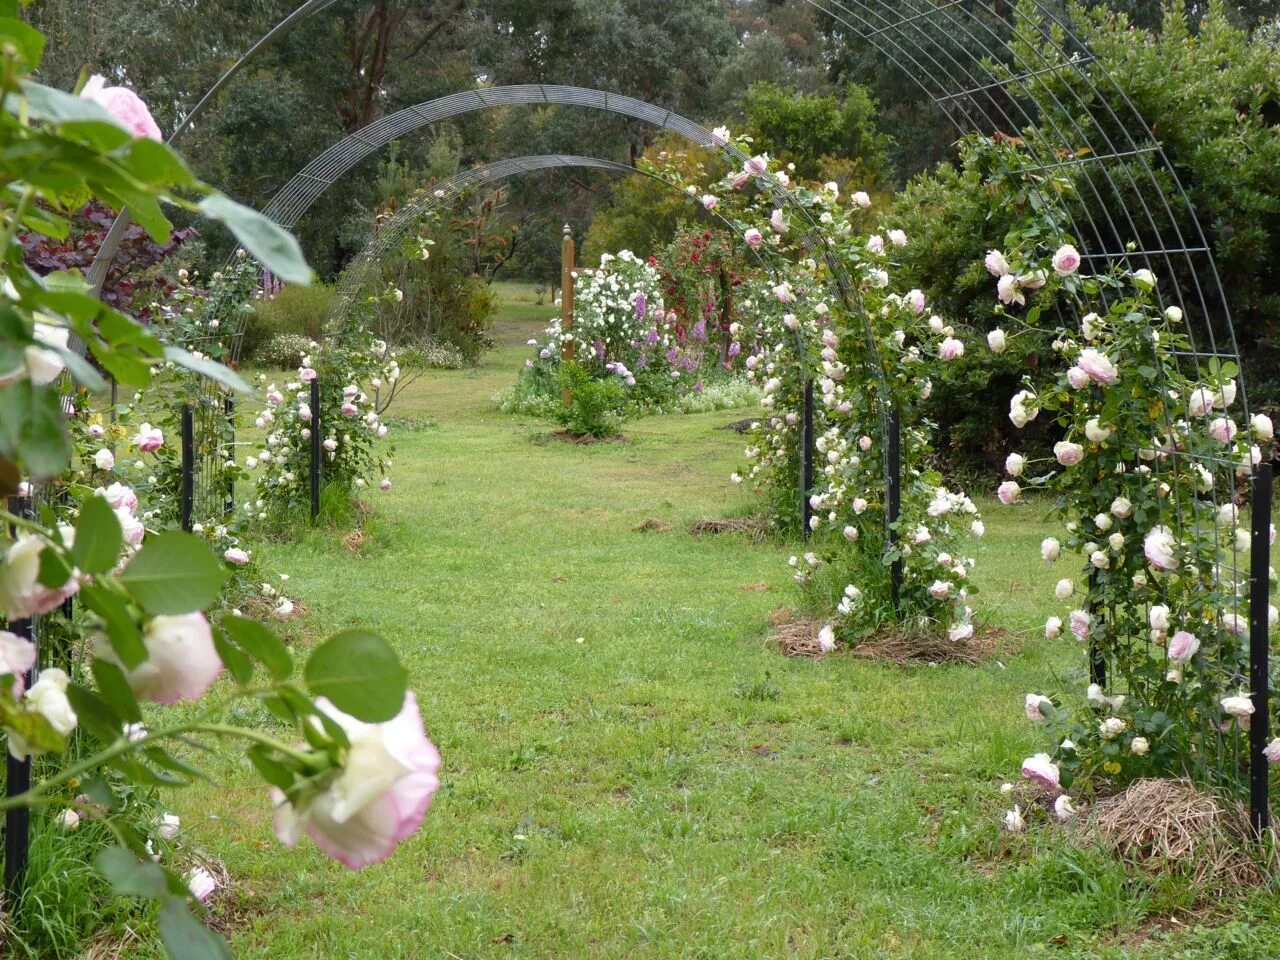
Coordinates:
<point>1043,771</point>
<point>709,202</point>
<point>1223,430</point>
<point>349,409</point>
<point>202,884</point>
<point>864,443</point>
<point>1066,261</point>
<point>1098,366</point>
<point>385,484</point>
<point>236,556</point>
<point>740,181</point>
<point>22,596</point>
<point>304,412</point>
<point>1032,707</point>
<point>1201,402</point>
<point>959,632</point>
<point>1068,453</point>
<point>916,299</point>
<point>1007,290</point>
<point>950,349</point>
<point>757,165</point>
<point>1078,378</point>
<point>181,661</point>
<point>1183,646</point>
<point>131,528</point>
<point>875,243</point>
<point>306,374</point>
<point>784,293</point>
<point>939,589</point>
<point>378,799</point>
<point>1272,751</point>
<point>1081,623</point>
<point>996,264</point>
<point>149,439</point>
<point>1033,280</point>
<point>275,398</point>
<point>1240,707</point>
<point>1159,546</point>
<point>17,656</point>
<point>1008,492</point>
<point>1053,628</point>
<point>862,199</point>
<point>120,497</point>
<point>826,639</point>
<point>753,237</point>
<point>125,107</point>
<point>859,505</point>
<point>776,223</point>
<point>898,238</point>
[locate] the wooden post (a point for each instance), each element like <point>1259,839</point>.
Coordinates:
<point>566,303</point>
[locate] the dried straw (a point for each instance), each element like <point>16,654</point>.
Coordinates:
<point>796,638</point>
<point>905,647</point>
<point>1164,824</point>
<point>758,527</point>
<point>652,525</point>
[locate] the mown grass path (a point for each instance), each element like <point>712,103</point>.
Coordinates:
<point>628,772</point>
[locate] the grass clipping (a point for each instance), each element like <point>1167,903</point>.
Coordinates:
<point>1174,825</point>
<point>758,528</point>
<point>904,647</point>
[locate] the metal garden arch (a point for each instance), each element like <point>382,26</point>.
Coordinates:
<point>988,66</point>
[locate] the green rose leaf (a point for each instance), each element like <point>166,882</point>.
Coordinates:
<point>261,644</point>
<point>209,368</point>
<point>174,573</point>
<point>33,431</point>
<point>129,876</point>
<point>270,243</point>
<point>185,937</point>
<point>360,673</point>
<point>118,622</point>
<point>97,544</point>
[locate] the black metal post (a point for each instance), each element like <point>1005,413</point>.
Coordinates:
<point>893,491</point>
<point>1097,658</point>
<point>229,411</point>
<point>317,451</point>
<point>17,822</point>
<point>806,465</point>
<point>1259,590</point>
<point>188,492</point>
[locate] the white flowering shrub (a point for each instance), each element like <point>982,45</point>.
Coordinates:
<point>864,358</point>
<point>357,374</point>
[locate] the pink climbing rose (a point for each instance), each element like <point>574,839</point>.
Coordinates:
<point>1041,770</point>
<point>125,107</point>
<point>1098,366</point>
<point>1066,261</point>
<point>181,661</point>
<point>1159,546</point>
<point>378,799</point>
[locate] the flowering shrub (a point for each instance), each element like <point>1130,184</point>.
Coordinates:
<point>624,332</point>
<point>1144,480</point>
<point>357,374</point>
<point>865,355</point>
<point>144,595</point>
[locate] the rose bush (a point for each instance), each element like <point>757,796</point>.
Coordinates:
<point>145,596</point>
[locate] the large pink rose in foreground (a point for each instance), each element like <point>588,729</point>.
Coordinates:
<point>1042,770</point>
<point>1160,548</point>
<point>21,594</point>
<point>379,798</point>
<point>125,107</point>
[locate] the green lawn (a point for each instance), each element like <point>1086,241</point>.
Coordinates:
<point>630,772</point>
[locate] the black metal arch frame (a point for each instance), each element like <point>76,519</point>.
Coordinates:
<point>358,274</point>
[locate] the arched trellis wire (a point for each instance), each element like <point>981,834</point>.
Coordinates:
<point>1021,69</point>
<point>960,53</point>
<point>292,202</point>
<point>362,269</point>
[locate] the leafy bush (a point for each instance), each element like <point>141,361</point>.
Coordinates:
<point>283,350</point>
<point>596,407</point>
<point>297,312</point>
